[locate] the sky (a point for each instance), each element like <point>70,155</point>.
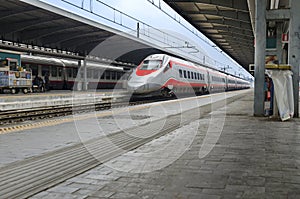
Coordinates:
<point>149,14</point>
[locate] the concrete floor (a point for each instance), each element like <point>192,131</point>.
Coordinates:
<point>236,156</point>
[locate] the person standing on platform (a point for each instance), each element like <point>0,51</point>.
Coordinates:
<point>46,80</point>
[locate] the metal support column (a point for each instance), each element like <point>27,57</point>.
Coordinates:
<point>260,51</point>
<point>294,50</point>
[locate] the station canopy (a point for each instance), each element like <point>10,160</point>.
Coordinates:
<point>24,23</point>
<point>225,22</point>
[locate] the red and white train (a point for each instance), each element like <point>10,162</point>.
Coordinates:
<point>166,75</point>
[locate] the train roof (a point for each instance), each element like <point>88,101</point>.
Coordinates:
<point>67,62</point>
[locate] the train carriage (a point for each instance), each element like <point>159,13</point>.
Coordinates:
<point>66,74</point>
<point>165,75</point>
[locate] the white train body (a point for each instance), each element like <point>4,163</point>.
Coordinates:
<point>166,75</point>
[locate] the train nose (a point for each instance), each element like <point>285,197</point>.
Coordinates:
<point>136,87</point>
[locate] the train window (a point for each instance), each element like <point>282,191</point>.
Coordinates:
<point>53,71</point>
<point>113,75</point>
<point>75,72</point>
<point>96,74</point>
<point>34,69</point>
<point>180,73</point>
<point>70,72</point>
<point>189,75</point>
<point>60,70</point>
<point>119,75</point>
<point>192,75</point>
<point>107,75</point>
<point>45,69</point>
<point>102,73</point>
<point>151,65</point>
<point>184,73</point>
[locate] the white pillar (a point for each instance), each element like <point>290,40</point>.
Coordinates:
<point>294,50</point>
<point>260,51</point>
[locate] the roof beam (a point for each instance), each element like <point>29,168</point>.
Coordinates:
<point>230,29</point>
<point>237,43</point>
<point>234,4</point>
<point>238,24</point>
<point>229,37</point>
<point>230,14</point>
<point>236,34</point>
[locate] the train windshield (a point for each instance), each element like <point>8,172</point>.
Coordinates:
<point>151,65</point>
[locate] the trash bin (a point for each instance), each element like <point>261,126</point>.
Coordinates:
<point>283,92</point>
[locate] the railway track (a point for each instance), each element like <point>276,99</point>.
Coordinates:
<point>16,116</point>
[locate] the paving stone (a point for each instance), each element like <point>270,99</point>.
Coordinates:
<point>63,189</point>
<point>84,180</point>
<point>105,194</point>
<point>124,195</point>
<point>253,158</point>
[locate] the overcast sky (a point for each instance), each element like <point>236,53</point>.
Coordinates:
<point>144,11</point>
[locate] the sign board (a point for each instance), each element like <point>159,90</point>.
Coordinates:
<point>285,38</point>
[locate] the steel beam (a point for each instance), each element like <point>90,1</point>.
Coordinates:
<point>278,14</point>
<point>228,22</point>
<point>230,14</point>
<point>234,4</point>
<point>230,29</point>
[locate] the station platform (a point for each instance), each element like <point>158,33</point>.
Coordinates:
<point>10,102</point>
<point>250,157</point>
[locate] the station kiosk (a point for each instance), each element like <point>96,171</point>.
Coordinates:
<point>13,77</point>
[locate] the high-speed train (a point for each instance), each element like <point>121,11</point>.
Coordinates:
<point>166,75</point>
